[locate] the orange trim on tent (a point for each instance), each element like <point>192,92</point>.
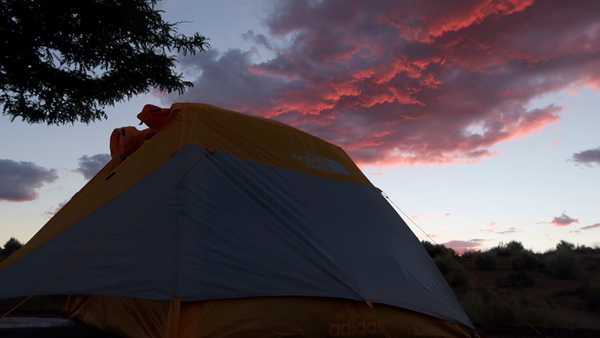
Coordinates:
<point>173,319</point>
<point>258,317</point>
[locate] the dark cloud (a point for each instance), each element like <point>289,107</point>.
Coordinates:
<point>589,227</point>
<point>258,39</point>
<point>462,246</point>
<point>91,165</point>
<point>403,82</point>
<point>564,220</point>
<point>19,181</point>
<point>588,157</point>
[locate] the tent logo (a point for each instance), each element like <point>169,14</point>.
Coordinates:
<point>321,163</point>
<point>361,328</point>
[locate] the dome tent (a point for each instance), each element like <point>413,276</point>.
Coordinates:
<point>212,223</point>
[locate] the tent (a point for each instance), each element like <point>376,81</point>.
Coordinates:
<point>211,223</point>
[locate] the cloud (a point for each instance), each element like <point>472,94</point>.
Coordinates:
<point>392,82</point>
<point>89,166</point>
<point>510,230</point>
<point>589,227</point>
<point>492,227</point>
<point>55,210</point>
<point>258,39</point>
<point>589,157</point>
<point>19,181</point>
<point>461,246</point>
<point>563,220</point>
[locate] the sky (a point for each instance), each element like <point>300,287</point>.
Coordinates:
<point>478,118</point>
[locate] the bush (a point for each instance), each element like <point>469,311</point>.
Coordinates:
<point>519,279</point>
<point>526,261</point>
<point>10,246</point>
<point>435,250</point>
<point>591,295</point>
<point>459,279</point>
<point>565,246</point>
<point>444,263</point>
<point>563,264</point>
<point>510,249</point>
<point>583,249</point>
<point>485,261</point>
<point>487,309</point>
<point>454,273</point>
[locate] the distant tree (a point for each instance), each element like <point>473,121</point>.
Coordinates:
<point>11,246</point>
<point>64,61</point>
<point>565,246</point>
<point>509,249</point>
<point>435,250</point>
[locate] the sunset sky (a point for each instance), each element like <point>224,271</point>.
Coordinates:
<point>479,118</point>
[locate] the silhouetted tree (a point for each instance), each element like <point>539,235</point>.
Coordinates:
<point>435,250</point>
<point>64,61</point>
<point>565,246</point>
<point>10,246</point>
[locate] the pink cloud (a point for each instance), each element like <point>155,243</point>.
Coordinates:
<point>395,83</point>
<point>462,246</point>
<point>564,220</point>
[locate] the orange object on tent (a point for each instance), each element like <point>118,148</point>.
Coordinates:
<point>124,141</point>
<point>155,117</point>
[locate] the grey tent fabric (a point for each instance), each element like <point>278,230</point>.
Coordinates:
<point>211,226</point>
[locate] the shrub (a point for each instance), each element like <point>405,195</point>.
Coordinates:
<point>518,279</point>
<point>485,261</point>
<point>487,309</point>
<point>435,250</point>
<point>526,261</point>
<point>586,249</point>
<point>514,247</point>
<point>510,249</point>
<point>591,295</point>
<point>459,279</point>
<point>454,273</point>
<point>470,254</point>
<point>10,246</point>
<point>475,306</point>
<point>565,246</point>
<point>563,264</point>
<point>444,264</point>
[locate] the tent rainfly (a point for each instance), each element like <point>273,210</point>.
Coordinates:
<point>211,223</point>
